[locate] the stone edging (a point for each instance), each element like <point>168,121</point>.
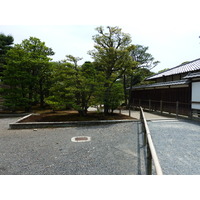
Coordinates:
<point>13,115</point>
<point>34,125</point>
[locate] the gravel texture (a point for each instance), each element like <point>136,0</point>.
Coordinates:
<point>177,144</point>
<point>113,149</point>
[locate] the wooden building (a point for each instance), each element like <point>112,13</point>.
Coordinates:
<point>176,90</point>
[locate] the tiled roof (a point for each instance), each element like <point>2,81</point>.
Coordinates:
<point>183,68</point>
<point>193,75</point>
<point>163,84</point>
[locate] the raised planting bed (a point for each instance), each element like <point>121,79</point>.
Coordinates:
<point>67,119</point>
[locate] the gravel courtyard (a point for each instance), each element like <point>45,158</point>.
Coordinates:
<point>177,144</point>
<point>113,150</point>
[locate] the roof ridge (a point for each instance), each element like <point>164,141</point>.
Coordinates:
<point>184,63</point>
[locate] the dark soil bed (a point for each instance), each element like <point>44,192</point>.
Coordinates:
<point>73,116</point>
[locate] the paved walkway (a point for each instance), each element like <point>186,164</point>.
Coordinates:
<point>148,115</point>
<point>136,114</point>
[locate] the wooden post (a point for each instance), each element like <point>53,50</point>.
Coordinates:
<point>142,121</point>
<point>190,110</point>
<point>177,109</point>
<point>143,129</point>
<point>160,106</point>
<point>150,149</point>
<point>149,104</point>
<point>133,105</point>
<point>129,113</point>
<point>170,108</point>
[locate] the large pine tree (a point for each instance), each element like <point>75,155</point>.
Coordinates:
<point>5,44</point>
<point>112,57</point>
<point>26,74</point>
<point>73,85</point>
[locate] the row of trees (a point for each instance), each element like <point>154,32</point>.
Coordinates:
<point>31,77</point>
<point>26,74</point>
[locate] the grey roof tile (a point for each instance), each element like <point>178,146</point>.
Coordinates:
<point>162,84</point>
<point>192,75</point>
<point>183,68</point>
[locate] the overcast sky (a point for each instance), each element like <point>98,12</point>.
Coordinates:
<point>169,28</point>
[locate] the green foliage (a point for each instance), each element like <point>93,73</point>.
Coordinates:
<point>73,85</point>
<point>5,44</point>
<point>31,78</point>
<point>112,59</point>
<point>16,77</point>
<point>26,74</point>
<point>145,62</point>
<point>62,78</point>
<point>116,96</point>
<point>55,102</point>
<point>143,58</point>
<point>139,76</point>
<point>163,70</point>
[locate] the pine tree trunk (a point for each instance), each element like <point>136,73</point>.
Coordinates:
<point>106,99</point>
<point>130,90</point>
<point>125,92</point>
<point>82,112</point>
<point>41,94</point>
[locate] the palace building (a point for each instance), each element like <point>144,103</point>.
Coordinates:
<point>176,90</point>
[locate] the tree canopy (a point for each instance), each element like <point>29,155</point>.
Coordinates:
<point>143,58</point>
<point>73,85</point>
<point>26,74</point>
<point>112,58</point>
<point>6,43</point>
<point>31,78</point>
<point>144,63</point>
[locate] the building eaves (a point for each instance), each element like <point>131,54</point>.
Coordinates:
<point>192,75</point>
<point>162,84</point>
<point>183,68</point>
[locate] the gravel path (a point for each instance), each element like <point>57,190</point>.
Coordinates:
<point>113,149</point>
<point>177,144</point>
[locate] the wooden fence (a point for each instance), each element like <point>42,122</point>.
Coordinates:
<point>177,108</point>
<point>148,143</point>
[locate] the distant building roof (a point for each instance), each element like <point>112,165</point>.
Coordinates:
<point>183,68</point>
<point>162,84</point>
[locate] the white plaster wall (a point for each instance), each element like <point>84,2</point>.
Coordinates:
<point>196,95</point>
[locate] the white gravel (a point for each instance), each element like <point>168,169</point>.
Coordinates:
<point>177,143</point>
<point>113,149</point>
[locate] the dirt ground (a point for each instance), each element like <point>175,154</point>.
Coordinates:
<point>61,116</point>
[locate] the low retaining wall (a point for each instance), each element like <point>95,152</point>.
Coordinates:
<point>34,125</point>
<point>13,115</point>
